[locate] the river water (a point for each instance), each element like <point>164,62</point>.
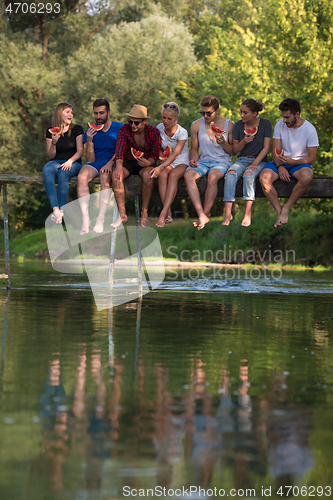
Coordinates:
<point>222,382</point>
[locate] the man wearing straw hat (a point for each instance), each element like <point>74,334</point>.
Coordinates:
<point>141,136</point>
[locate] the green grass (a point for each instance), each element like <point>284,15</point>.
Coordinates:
<point>307,240</point>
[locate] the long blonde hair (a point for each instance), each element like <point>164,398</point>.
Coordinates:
<point>57,116</point>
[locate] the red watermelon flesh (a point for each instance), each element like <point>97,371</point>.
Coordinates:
<point>98,128</point>
<point>57,130</point>
<point>136,153</point>
<point>251,131</point>
<point>166,153</point>
<point>216,130</point>
<point>279,152</point>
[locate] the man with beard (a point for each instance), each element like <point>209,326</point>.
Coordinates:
<point>297,141</point>
<point>145,139</point>
<point>100,150</point>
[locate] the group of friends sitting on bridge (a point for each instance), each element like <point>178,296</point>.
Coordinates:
<point>214,141</point>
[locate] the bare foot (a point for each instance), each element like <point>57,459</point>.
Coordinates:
<point>98,227</point>
<point>282,218</point>
<point>120,220</point>
<point>196,223</point>
<point>202,221</point>
<point>161,221</point>
<point>85,226</point>
<point>168,219</point>
<point>246,222</point>
<point>144,218</point>
<point>227,220</point>
<point>57,215</point>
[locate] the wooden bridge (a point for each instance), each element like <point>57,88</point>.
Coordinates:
<point>320,187</point>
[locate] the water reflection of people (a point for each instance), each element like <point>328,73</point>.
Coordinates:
<point>54,419</point>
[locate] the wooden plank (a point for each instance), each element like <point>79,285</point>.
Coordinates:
<point>320,187</point>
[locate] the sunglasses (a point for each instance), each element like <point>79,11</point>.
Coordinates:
<point>208,113</point>
<point>170,106</point>
<point>135,122</point>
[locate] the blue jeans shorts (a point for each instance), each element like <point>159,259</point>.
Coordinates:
<point>205,166</point>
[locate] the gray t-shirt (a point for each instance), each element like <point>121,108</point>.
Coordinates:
<point>253,148</point>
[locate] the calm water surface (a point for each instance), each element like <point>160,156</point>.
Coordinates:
<point>213,381</point>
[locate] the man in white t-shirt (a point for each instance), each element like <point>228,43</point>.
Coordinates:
<point>298,140</point>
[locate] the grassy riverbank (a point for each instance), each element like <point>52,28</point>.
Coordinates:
<point>307,240</point>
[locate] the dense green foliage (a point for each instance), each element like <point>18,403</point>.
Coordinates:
<point>148,52</point>
<point>305,240</point>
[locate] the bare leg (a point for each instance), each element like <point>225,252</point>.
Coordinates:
<point>163,181</point>
<point>227,216</point>
<point>86,174</point>
<point>119,193</point>
<point>190,177</point>
<point>173,178</point>
<point>267,177</point>
<point>147,189</point>
<point>104,198</point>
<point>246,222</point>
<point>304,177</point>
<point>211,192</point>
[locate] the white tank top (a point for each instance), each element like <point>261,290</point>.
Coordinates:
<point>209,149</point>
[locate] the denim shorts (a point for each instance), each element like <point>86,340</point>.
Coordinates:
<point>205,166</point>
<point>291,168</point>
<point>97,165</point>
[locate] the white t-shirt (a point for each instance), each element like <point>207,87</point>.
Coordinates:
<point>295,141</point>
<point>180,135</point>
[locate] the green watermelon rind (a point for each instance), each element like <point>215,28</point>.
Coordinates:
<point>165,154</point>
<point>217,130</point>
<point>249,132</point>
<point>61,129</point>
<point>137,151</point>
<point>98,128</point>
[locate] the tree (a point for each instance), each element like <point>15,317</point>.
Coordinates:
<point>283,48</point>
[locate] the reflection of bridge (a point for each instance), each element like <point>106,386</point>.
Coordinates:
<point>320,187</point>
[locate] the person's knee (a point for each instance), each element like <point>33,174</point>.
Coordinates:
<point>105,180</point>
<point>266,179</point>
<point>190,175</point>
<point>248,173</point>
<point>213,177</point>
<point>231,176</point>
<point>173,175</point>
<point>306,177</point>
<point>163,175</point>
<point>146,177</point>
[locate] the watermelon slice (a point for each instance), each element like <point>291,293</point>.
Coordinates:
<point>216,130</point>
<point>251,131</point>
<point>279,152</point>
<point>166,153</point>
<point>57,130</point>
<point>98,128</point>
<point>136,153</point>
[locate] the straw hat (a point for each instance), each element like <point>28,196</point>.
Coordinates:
<point>138,111</point>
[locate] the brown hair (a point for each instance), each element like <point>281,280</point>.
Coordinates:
<point>101,102</point>
<point>291,105</point>
<point>254,106</point>
<point>210,100</point>
<point>57,116</point>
